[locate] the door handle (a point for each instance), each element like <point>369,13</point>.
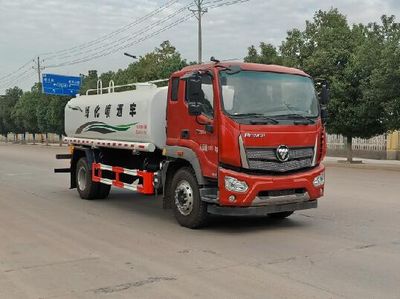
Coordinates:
<point>209,128</point>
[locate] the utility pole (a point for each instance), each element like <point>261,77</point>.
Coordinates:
<point>198,13</point>
<point>38,68</point>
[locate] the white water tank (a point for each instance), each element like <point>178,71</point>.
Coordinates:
<point>133,116</point>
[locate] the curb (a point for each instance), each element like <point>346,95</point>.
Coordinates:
<point>365,165</point>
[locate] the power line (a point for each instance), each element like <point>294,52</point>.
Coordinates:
<point>15,77</point>
<point>28,74</point>
<point>116,45</point>
<point>126,38</point>
<point>200,10</point>
<point>123,42</point>
<point>115,32</point>
<point>21,68</point>
<point>124,46</point>
<point>15,74</point>
<point>37,67</point>
<point>198,13</point>
<point>229,3</point>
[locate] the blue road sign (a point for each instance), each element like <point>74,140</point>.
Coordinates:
<point>61,85</point>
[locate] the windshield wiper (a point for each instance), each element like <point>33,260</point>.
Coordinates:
<point>298,115</point>
<point>299,119</point>
<point>308,120</point>
<point>260,118</point>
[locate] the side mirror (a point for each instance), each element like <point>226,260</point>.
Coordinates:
<point>194,95</point>
<point>325,96</point>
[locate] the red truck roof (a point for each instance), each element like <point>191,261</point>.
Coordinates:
<point>248,67</point>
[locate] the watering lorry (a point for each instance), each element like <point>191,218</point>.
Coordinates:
<point>223,138</point>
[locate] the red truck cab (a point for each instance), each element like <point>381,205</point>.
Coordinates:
<point>253,135</point>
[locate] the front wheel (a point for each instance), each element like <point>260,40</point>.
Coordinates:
<point>190,211</point>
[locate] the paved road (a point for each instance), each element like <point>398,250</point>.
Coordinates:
<point>54,245</point>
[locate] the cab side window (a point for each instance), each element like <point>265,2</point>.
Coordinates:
<point>174,89</point>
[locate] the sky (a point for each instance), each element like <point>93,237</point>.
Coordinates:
<point>65,32</point>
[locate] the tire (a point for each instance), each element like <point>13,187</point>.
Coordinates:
<point>88,189</point>
<point>189,210</point>
<point>104,191</point>
<point>281,215</point>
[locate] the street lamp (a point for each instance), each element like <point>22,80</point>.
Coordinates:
<point>130,55</point>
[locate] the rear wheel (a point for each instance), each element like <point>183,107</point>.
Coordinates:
<point>88,189</point>
<point>190,211</point>
<point>280,215</point>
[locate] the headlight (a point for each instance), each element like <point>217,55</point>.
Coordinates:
<point>319,180</point>
<point>234,185</point>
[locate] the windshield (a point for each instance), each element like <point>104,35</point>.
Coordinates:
<point>268,94</point>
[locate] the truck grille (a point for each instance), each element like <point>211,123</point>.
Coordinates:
<point>266,159</point>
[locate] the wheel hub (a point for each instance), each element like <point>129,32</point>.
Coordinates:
<point>184,198</point>
<point>82,178</point>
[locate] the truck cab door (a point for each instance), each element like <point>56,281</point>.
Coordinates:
<point>197,133</point>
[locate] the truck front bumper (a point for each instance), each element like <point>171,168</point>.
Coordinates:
<point>261,210</point>
<point>269,194</point>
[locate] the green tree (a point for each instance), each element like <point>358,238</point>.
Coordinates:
<point>55,115</point>
<point>268,54</point>
<point>384,83</point>
<point>252,54</point>
<point>158,64</point>
<point>3,128</point>
<point>107,77</point>
<point>7,103</point>
<point>24,112</point>
<point>293,49</point>
<point>354,114</point>
<point>329,48</point>
<point>89,81</point>
<point>41,115</point>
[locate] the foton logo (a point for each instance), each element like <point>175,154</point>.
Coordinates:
<point>254,135</point>
<point>282,153</point>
